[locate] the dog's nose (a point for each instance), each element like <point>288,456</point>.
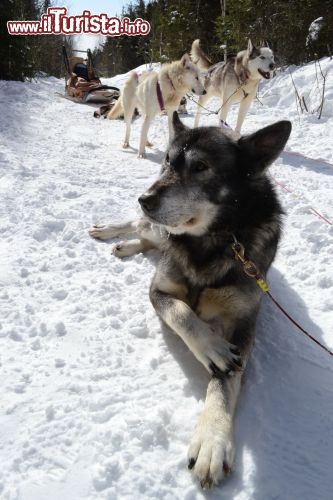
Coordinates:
<point>198,93</point>
<point>149,201</point>
<point>271,66</point>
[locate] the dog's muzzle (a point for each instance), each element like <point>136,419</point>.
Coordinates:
<point>265,74</point>
<point>149,202</point>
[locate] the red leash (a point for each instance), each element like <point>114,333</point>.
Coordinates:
<point>252,271</point>
<point>296,324</point>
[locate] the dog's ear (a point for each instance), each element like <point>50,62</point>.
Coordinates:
<point>185,60</point>
<point>260,149</point>
<point>177,125</point>
<point>252,50</point>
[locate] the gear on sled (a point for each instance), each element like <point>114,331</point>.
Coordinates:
<point>82,83</point>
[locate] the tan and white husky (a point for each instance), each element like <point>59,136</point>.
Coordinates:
<point>153,92</point>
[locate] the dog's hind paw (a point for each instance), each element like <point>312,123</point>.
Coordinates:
<point>126,145</point>
<point>211,452</point>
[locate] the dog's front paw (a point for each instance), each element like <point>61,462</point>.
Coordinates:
<point>217,354</point>
<point>103,231</point>
<point>97,231</point>
<point>128,248</point>
<point>121,250</point>
<point>227,363</point>
<point>211,453</point>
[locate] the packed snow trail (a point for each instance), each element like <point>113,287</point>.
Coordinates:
<point>99,400</point>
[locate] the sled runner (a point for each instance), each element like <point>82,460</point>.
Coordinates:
<point>82,83</point>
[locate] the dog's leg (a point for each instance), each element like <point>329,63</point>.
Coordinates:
<point>128,115</point>
<point>211,453</point>
<point>131,247</point>
<point>224,110</point>
<point>170,125</point>
<point>201,102</point>
<point>149,236</point>
<point>243,108</point>
<point>144,135</point>
<point>204,340</point>
<point>129,103</point>
<point>107,231</point>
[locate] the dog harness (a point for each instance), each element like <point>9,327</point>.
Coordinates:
<point>159,96</point>
<point>214,68</point>
<point>242,77</point>
<point>159,93</point>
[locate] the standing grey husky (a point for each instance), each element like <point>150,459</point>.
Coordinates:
<point>212,204</point>
<point>236,80</point>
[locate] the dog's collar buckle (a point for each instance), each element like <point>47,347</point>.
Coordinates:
<point>249,267</point>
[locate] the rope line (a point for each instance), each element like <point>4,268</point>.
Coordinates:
<point>312,210</point>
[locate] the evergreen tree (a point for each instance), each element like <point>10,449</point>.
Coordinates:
<point>16,51</point>
<point>283,23</point>
<point>174,25</point>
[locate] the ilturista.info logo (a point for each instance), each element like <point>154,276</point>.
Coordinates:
<point>56,22</point>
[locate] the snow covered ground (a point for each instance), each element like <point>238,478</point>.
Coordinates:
<point>99,400</point>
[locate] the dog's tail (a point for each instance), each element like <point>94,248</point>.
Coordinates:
<point>117,110</point>
<point>127,93</point>
<point>199,57</point>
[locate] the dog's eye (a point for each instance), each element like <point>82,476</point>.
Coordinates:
<point>262,57</point>
<point>200,166</point>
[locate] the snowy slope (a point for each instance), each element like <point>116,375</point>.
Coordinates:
<point>98,399</point>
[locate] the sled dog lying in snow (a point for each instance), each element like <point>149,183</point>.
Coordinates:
<point>236,80</point>
<point>213,199</point>
<point>154,92</point>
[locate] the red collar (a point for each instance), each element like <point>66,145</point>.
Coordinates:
<point>160,96</point>
<point>159,93</point>
<point>170,81</point>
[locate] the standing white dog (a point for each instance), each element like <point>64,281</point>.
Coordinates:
<point>154,92</point>
<point>233,81</point>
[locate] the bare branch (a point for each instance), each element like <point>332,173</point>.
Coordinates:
<point>323,95</point>
<point>298,97</point>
